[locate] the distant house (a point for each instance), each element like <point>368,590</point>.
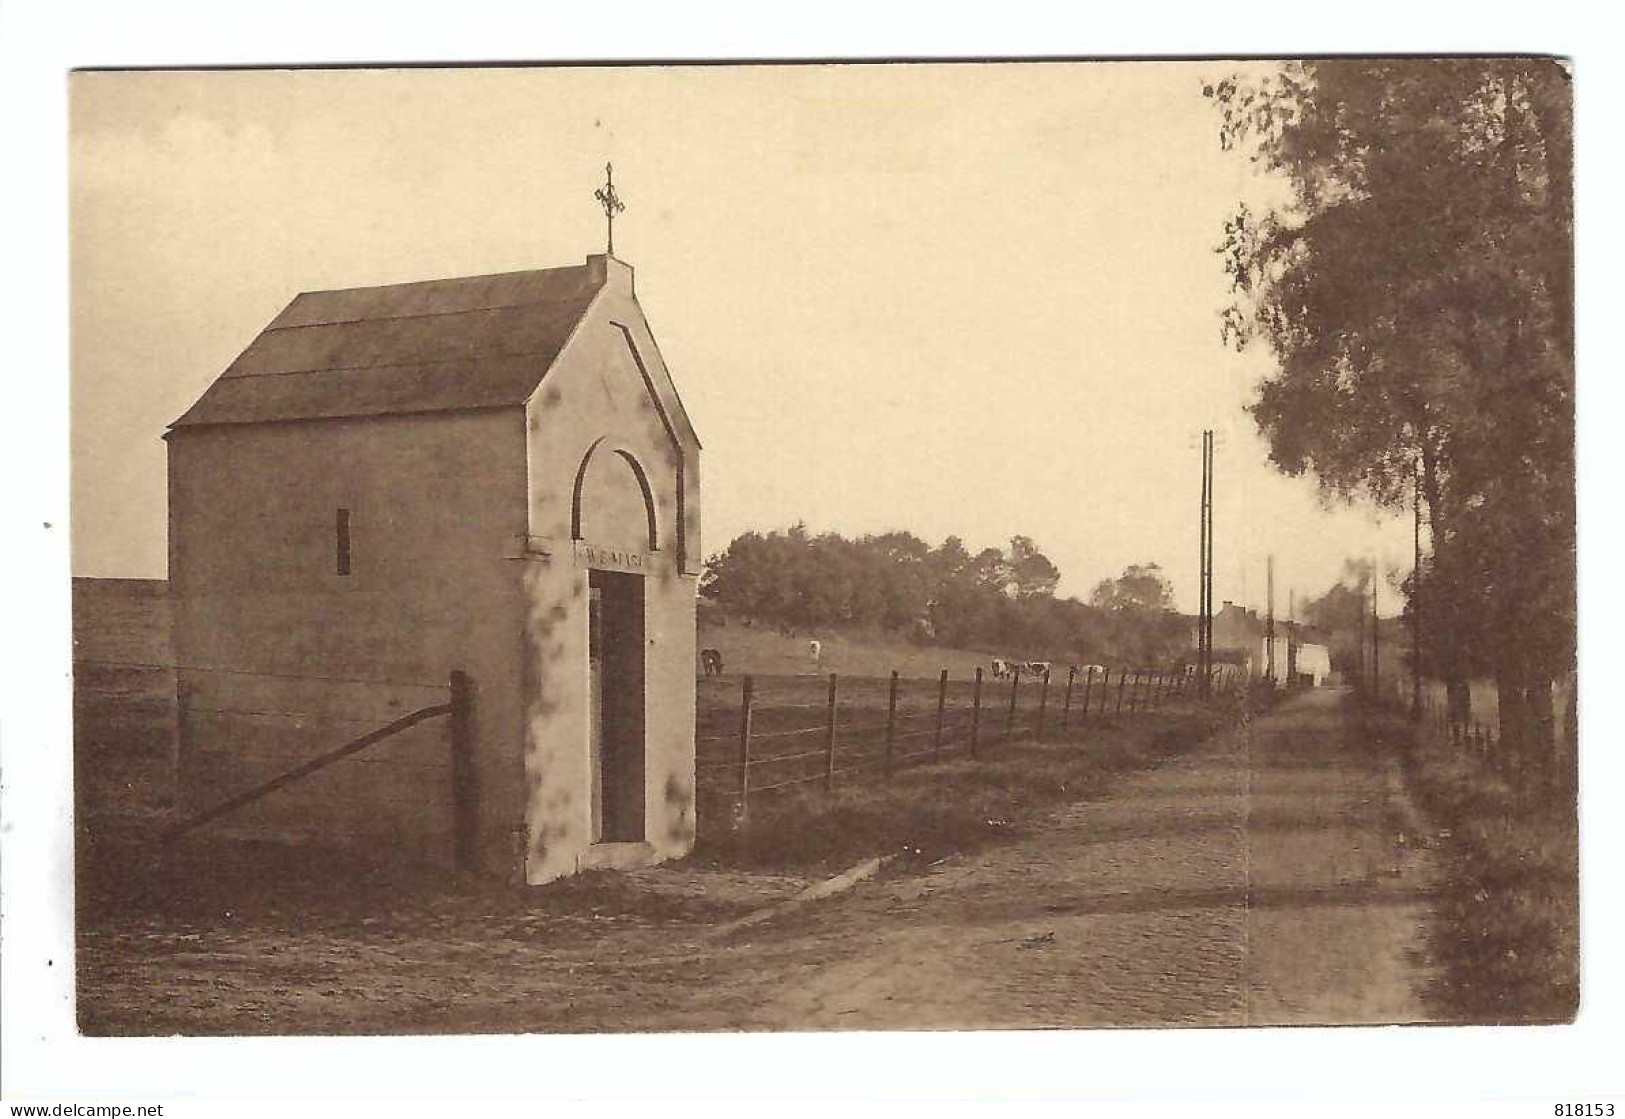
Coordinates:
<point>1238,635</point>
<point>1242,642</point>
<point>1314,663</point>
<point>492,475</point>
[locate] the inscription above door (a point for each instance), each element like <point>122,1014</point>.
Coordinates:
<point>613,559</point>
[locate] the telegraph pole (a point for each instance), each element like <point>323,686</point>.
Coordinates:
<point>1204,622</point>
<point>1292,641</point>
<point>1269,620</point>
<point>1416,603</point>
<point>1359,643</point>
<point>1376,670</point>
<point>1212,484</point>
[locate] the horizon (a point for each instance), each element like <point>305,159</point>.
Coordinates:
<point>1032,348</point>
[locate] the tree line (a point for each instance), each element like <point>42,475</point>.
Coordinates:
<point>1001,601</point>
<point>1416,293</point>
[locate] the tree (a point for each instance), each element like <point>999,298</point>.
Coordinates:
<point>1140,587</point>
<point>1137,609</point>
<point>1416,294</point>
<point>1031,572</point>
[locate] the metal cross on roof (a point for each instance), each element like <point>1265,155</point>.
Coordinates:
<point>610,201</point>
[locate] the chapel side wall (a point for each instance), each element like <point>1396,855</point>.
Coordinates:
<point>596,391</point>
<point>435,502</point>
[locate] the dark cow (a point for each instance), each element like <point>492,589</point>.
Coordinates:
<point>712,660</point>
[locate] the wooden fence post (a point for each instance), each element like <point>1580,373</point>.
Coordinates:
<point>1043,705</point>
<point>464,778</point>
<point>1122,678</point>
<point>746,707</point>
<point>942,707</point>
<point>1066,703</point>
<point>1088,686</point>
<point>829,741</point>
<point>891,721</point>
<point>976,712</point>
<point>1010,716</point>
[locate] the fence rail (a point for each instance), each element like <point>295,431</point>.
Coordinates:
<point>301,706</point>
<point>872,725</point>
<point>1468,720</point>
<point>156,666</point>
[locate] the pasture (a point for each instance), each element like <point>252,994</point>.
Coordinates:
<point>764,651</point>
<point>250,937</point>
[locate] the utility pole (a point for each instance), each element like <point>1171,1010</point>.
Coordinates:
<point>1416,602</point>
<point>1269,620</point>
<point>1204,621</point>
<point>1359,643</point>
<point>1376,664</point>
<point>1292,636</point>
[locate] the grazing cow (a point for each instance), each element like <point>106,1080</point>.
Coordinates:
<point>711,659</point>
<point>1000,669</point>
<point>1038,668</point>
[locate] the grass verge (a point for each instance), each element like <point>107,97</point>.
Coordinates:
<point>932,811</point>
<point>1506,930</point>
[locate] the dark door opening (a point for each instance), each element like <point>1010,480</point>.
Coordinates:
<point>615,691</point>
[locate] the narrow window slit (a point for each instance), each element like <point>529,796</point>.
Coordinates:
<point>341,527</point>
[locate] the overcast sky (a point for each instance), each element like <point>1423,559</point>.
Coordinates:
<point>978,300</point>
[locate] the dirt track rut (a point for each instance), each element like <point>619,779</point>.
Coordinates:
<point>1270,876</point>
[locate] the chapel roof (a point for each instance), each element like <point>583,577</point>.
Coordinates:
<point>430,346</point>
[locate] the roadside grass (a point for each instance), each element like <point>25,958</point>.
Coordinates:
<point>1506,939</point>
<point>931,811</point>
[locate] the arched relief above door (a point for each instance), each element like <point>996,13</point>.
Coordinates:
<point>612,504</point>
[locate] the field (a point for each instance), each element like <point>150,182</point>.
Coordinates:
<point>216,937</point>
<point>124,706</point>
<point>123,697</point>
<point>765,651</point>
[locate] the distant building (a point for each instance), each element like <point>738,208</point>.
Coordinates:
<point>1242,642</point>
<point>491,474</point>
<point>1314,664</point>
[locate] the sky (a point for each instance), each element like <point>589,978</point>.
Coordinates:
<point>977,300</point>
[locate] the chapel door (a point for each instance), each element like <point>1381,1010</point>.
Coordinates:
<point>595,705</point>
<point>615,695</point>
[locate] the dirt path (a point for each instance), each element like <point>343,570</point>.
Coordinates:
<point>1259,878</point>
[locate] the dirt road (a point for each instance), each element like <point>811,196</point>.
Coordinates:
<point>1270,875</point>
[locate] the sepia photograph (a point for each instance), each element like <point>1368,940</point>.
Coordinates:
<point>824,546</point>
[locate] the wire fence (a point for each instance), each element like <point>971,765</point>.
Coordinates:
<point>251,733</point>
<point>92,663</point>
<point>783,733</point>
<point>1467,718</point>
